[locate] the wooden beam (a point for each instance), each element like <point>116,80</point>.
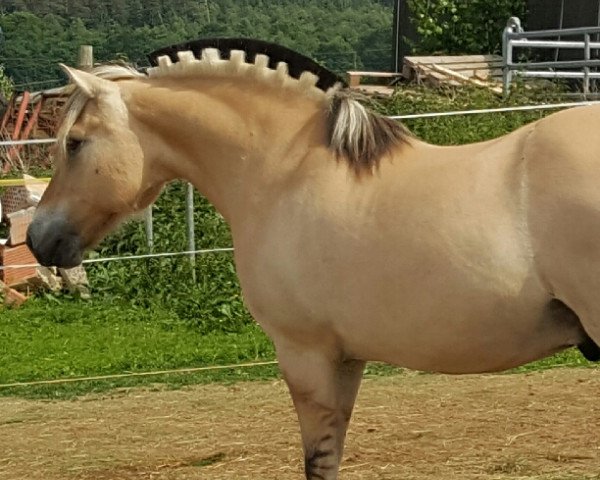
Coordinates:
<point>464,79</point>
<point>354,76</point>
<point>86,57</point>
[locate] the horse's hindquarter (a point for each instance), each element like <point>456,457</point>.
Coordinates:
<point>427,264</point>
<point>563,182</point>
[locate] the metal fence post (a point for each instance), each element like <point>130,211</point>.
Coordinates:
<point>149,228</point>
<point>587,55</point>
<point>513,25</point>
<point>189,215</point>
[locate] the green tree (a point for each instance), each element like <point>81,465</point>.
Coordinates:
<point>40,34</point>
<point>33,46</point>
<point>456,26</point>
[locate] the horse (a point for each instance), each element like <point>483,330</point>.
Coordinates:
<point>354,240</point>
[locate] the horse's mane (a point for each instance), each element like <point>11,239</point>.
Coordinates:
<point>296,62</point>
<point>356,134</point>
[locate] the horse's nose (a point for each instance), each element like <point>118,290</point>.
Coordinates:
<point>53,242</point>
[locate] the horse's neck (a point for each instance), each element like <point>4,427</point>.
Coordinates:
<point>231,144</point>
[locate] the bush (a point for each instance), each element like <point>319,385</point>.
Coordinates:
<point>456,26</point>
<point>6,85</point>
<point>212,303</point>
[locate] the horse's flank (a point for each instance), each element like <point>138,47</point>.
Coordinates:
<point>355,134</point>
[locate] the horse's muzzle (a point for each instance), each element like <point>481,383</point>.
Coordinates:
<point>54,242</point>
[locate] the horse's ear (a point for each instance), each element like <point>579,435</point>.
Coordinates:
<point>89,84</point>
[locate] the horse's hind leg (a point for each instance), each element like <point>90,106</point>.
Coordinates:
<point>323,390</point>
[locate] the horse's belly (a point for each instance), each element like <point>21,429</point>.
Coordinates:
<point>439,318</point>
<point>460,340</point>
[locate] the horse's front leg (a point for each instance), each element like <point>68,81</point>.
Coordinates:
<point>323,389</point>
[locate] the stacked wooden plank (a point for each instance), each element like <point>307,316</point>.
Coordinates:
<point>14,252</point>
<point>479,70</point>
<point>15,257</point>
<point>382,87</point>
<point>354,77</point>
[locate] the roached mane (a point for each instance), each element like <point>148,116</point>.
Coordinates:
<point>356,134</point>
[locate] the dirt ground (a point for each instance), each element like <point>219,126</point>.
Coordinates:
<point>542,425</point>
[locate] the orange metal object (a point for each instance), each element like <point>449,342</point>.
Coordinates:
<point>21,115</point>
<point>32,119</point>
<point>8,112</point>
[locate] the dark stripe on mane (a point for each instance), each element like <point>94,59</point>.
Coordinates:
<point>360,135</point>
<point>297,63</point>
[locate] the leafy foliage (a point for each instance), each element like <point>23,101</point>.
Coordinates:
<point>456,26</point>
<point>213,303</point>
<point>6,86</point>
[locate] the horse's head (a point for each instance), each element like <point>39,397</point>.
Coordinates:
<point>101,174</point>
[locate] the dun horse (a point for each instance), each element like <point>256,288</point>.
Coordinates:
<point>354,241</point>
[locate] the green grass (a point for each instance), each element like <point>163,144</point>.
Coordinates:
<point>75,339</point>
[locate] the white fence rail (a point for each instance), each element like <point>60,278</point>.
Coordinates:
<point>38,141</point>
<point>514,37</point>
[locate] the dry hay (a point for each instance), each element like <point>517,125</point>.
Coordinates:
<point>535,426</point>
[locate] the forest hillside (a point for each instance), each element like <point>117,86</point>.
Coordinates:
<point>38,34</point>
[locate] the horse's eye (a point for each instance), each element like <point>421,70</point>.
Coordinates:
<point>73,145</point>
